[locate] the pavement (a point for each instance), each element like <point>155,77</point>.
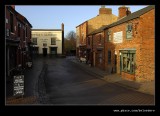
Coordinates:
<point>144,87</point>
<point>33,85</point>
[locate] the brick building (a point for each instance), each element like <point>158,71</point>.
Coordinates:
<point>129,44</point>
<point>95,48</point>
<point>105,17</point>
<point>18,39</point>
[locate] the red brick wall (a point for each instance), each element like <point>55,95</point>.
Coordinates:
<point>142,40</point>
<point>96,44</point>
<point>147,69</point>
<point>83,30</point>
<point>128,76</point>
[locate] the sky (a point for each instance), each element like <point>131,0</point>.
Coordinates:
<point>52,16</point>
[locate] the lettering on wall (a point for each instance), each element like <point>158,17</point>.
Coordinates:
<point>43,34</point>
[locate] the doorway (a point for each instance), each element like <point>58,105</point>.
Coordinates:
<point>44,51</point>
<point>115,62</point>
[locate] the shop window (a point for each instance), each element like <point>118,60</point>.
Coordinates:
<point>109,57</point>
<point>53,41</point>
<point>129,31</point>
<point>128,62</point>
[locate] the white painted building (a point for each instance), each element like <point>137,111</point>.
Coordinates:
<point>48,41</point>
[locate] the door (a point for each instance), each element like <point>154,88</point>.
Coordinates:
<point>94,58</point>
<point>44,51</point>
<point>115,62</point>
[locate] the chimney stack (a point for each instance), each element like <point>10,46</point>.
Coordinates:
<point>62,27</point>
<point>104,10</point>
<point>13,6</point>
<point>123,11</point>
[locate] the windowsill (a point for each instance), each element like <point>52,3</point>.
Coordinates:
<point>128,72</point>
<point>128,38</point>
<point>12,33</point>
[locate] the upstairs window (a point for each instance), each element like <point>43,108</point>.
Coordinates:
<point>100,40</point>
<point>26,31</point>
<point>53,41</point>
<point>11,23</point>
<point>19,29</point>
<point>129,31</point>
<point>109,36</point>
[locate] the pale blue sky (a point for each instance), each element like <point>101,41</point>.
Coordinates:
<point>51,17</point>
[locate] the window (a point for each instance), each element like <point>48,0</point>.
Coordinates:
<point>100,58</point>
<point>11,23</point>
<point>34,41</point>
<point>100,40</point>
<point>6,20</point>
<point>128,62</point>
<point>24,35</point>
<point>19,29</point>
<point>26,31</point>
<point>53,41</point>
<point>109,57</point>
<point>129,31</point>
<point>109,35</point>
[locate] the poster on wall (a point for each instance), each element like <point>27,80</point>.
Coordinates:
<point>18,85</point>
<point>117,37</point>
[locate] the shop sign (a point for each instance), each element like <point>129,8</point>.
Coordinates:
<point>117,37</point>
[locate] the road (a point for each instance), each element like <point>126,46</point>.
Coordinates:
<point>67,84</point>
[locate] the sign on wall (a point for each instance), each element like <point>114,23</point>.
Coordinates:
<point>18,85</point>
<point>117,37</point>
<point>44,34</point>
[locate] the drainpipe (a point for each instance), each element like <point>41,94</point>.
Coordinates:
<point>92,50</point>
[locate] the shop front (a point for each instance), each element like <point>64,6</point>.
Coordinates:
<point>127,63</point>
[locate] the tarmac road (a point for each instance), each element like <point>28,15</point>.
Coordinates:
<point>67,84</point>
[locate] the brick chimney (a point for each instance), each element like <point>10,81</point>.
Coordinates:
<point>13,6</point>
<point>123,11</point>
<point>104,10</point>
<point>62,27</point>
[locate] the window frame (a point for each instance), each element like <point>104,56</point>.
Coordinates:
<point>54,41</point>
<point>109,39</point>
<point>129,31</point>
<point>128,66</point>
